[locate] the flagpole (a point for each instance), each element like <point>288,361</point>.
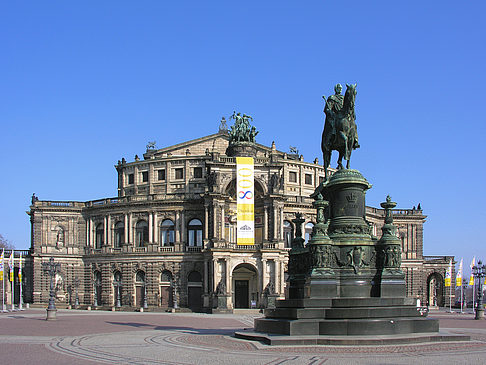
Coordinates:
<point>12,277</point>
<point>461,296</point>
<point>474,292</point>
<point>20,281</point>
<point>3,282</point>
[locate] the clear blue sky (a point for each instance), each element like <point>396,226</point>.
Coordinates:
<point>84,84</point>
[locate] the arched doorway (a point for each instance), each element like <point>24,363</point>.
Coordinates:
<point>245,286</point>
<point>435,290</point>
<point>166,298</point>
<point>139,288</point>
<point>194,291</point>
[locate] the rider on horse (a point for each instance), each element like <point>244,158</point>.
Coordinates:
<point>340,132</point>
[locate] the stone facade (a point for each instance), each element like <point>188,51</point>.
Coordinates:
<point>169,238</point>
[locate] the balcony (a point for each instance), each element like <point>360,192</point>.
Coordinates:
<point>192,249</point>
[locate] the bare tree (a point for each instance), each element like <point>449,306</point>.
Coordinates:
<point>4,243</point>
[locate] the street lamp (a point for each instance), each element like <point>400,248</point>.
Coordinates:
<point>479,272</point>
<point>117,284</point>
<point>51,268</point>
<point>76,286</point>
<point>145,305</point>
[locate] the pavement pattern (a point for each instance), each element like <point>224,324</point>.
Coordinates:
<point>98,337</point>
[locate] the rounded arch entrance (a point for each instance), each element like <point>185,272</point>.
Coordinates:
<point>244,280</point>
<point>435,290</point>
<point>230,212</point>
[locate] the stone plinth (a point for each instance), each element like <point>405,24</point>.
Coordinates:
<point>345,282</point>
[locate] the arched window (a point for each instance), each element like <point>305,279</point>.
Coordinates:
<point>167,233</point>
<point>140,277</point>
<point>117,277</point>
<point>288,233</point>
<point>100,235</point>
<point>119,234</point>
<point>194,233</point>
<point>308,231</point>
<point>194,277</point>
<point>166,277</point>
<point>141,233</point>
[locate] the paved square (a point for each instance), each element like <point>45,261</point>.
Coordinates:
<point>94,337</point>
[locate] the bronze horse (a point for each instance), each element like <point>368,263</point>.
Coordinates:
<point>341,134</point>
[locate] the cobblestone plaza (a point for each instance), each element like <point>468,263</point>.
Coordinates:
<point>89,337</point>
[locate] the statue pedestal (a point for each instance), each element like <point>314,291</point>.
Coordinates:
<point>51,314</point>
<point>221,304</point>
<point>344,282</point>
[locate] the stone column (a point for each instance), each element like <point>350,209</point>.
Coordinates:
<point>108,231</point>
<point>222,221</point>
<point>132,230</point>
<point>150,226</point>
<point>265,223</point>
<point>183,230</point>
<point>88,225</point>
<point>281,224</point>
<point>206,221</point>
<point>215,221</point>
<point>275,220</point>
<point>264,275</point>
<point>229,286</point>
<point>177,227</point>
<point>91,232</point>
<point>126,230</point>
<point>156,229</point>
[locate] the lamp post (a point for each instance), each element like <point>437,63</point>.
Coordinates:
<point>145,305</point>
<point>117,284</point>
<point>70,292</point>
<point>95,283</point>
<point>479,272</point>
<point>464,296</point>
<point>51,268</point>
<point>76,286</point>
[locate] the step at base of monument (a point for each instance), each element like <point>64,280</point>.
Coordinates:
<point>344,312</point>
<point>347,327</point>
<point>413,338</point>
<point>343,302</point>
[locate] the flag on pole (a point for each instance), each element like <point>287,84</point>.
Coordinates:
<point>1,265</point>
<point>11,265</point>
<point>20,268</point>
<point>448,274</point>
<point>459,275</point>
<point>471,279</point>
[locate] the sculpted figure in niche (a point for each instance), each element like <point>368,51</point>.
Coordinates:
<point>59,237</point>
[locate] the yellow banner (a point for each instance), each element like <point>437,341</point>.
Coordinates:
<point>447,281</point>
<point>458,281</point>
<point>11,276</point>
<point>245,191</point>
<point>471,280</point>
<point>1,275</point>
<point>20,277</point>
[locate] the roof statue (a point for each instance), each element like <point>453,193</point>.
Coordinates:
<point>223,128</point>
<point>340,133</point>
<point>242,131</point>
<point>151,145</point>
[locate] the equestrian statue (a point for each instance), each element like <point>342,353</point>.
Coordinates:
<point>340,133</point>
